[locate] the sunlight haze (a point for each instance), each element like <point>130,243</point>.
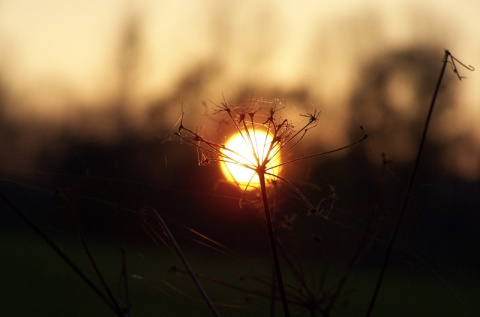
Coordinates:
<point>64,60</point>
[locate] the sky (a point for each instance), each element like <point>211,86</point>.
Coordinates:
<point>61,61</point>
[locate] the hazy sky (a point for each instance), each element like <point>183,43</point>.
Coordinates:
<point>58,55</point>
<point>72,43</point>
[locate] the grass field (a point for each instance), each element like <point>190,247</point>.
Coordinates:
<point>35,282</point>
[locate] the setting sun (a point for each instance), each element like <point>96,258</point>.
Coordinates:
<point>240,161</point>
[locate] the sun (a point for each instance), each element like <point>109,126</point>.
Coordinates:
<point>244,152</point>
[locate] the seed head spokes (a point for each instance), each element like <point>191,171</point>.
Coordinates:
<point>267,135</point>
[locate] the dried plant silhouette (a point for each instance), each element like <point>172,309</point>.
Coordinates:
<point>307,291</point>
<point>271,139</point>
<point>170,241</point>
<point>106,295</point>
<point>447,59</point>
<point>247,120</point>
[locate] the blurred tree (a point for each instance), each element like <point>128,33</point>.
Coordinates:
<point>391,100</point>
<point>128,56</point>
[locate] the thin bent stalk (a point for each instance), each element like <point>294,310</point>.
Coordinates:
<point>113,305</point>
<point>391,243</point>
<point>189,268</point>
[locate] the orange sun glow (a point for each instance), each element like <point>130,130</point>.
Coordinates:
<point>240,159</point>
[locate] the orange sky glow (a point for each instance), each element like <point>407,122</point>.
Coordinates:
<point>60,59</point>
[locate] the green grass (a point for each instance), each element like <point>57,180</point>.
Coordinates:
<point>413,294</point>
<point>35,282</point>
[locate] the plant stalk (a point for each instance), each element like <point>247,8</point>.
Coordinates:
<point>273,245</point>
<point>189,268</point>
<point>409,189</point>
<point>56,248</point>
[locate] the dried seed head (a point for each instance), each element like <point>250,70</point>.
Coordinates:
<point>260,142</point>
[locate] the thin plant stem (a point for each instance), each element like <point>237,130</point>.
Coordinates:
<point>273,246</point>
<point>54,246</point>
<point>189,269</point>
<point>90,257</point>
<point>98,273</point>
<point>408,190</point>
<point>273,288</point>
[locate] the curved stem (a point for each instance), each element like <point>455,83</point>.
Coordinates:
<point>56,248</point>
<point>408,191</point>
<point>188,267</point>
